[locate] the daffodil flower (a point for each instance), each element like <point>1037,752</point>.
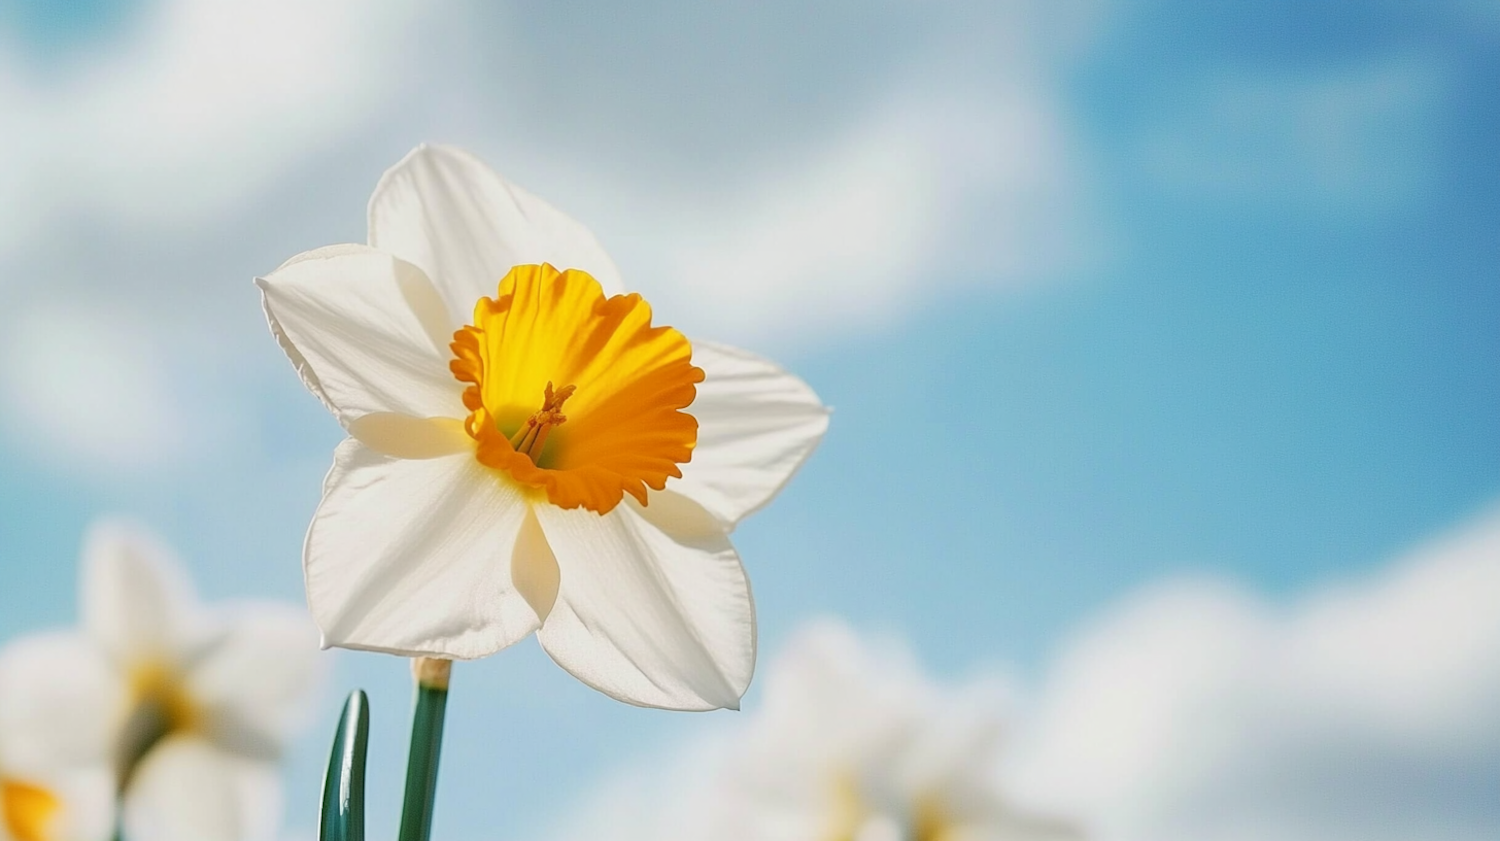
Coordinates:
<point>187,707</point>
<point>527,451</point>
<point>867,748</point>
<point>849,743</point>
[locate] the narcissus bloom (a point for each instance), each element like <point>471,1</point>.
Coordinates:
<point>856,744</point>
<point>186,707</point>
<point>850,743</point>
<point>527,450</point>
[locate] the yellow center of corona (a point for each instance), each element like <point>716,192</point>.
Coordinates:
<point>28,810</point>
<point>550,338</point>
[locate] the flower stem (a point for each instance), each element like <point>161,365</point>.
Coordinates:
<point>426,744</point>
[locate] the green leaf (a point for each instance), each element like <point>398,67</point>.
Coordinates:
<point>343,817</point>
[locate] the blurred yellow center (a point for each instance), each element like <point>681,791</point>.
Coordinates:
<point>931,823</point>
<point>28,810</point>
<point>159,706</point>
<point>851,818</point>
<point>548,338</point>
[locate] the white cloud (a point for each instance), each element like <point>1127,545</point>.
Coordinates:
<point>1195,712</point>
<point>1358,136</point>
<point>191,113</point>
<point>94,391</point>
<point>929,193</point>
<point>164,134</point>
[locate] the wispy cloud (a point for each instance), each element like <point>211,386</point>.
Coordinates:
<point>1364,710</point>
<point>175,124</point>
<point>928,194</point>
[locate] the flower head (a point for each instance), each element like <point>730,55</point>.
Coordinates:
<point>850,743</point>
<point>185,708</point>
<point>856,744</point>
<point>527,450</point>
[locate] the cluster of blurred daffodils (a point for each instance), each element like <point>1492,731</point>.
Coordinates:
<point>158,717</point>
<point>850,742</point>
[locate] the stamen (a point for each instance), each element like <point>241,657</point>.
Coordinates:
<point>530,438</point>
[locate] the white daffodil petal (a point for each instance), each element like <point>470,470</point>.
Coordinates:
<point>137,602</point>
<point>653,607</point>
<point>367,332</point>
<point>188,790</point>
<point>756,425</point>
<point>59,701</point>
<point>413,557</point>
<point>466,226</point>
<point>254,686</point>
<point>88,795</point>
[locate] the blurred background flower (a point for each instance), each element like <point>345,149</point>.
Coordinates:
<point>852,742</point>
<point>188,707</point>
<point>1158,332</point>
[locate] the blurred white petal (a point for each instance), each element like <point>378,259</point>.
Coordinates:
<point>137,603</point>
<point>756,425</point>
<point>60,701</point>
<point>653,607</point>
<point>367,332</point>
<point>89,808</point>
<point>253,686</point>
<point>466,226</point>
<point>189,790</point>
<point>413,556</point>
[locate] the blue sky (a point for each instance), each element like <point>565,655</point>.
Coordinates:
<point>1161,289</point>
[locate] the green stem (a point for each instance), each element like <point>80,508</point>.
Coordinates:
<point>426,745</point>
<point>343,817</point>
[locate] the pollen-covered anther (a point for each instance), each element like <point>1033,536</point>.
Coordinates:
<point>530,438</point>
